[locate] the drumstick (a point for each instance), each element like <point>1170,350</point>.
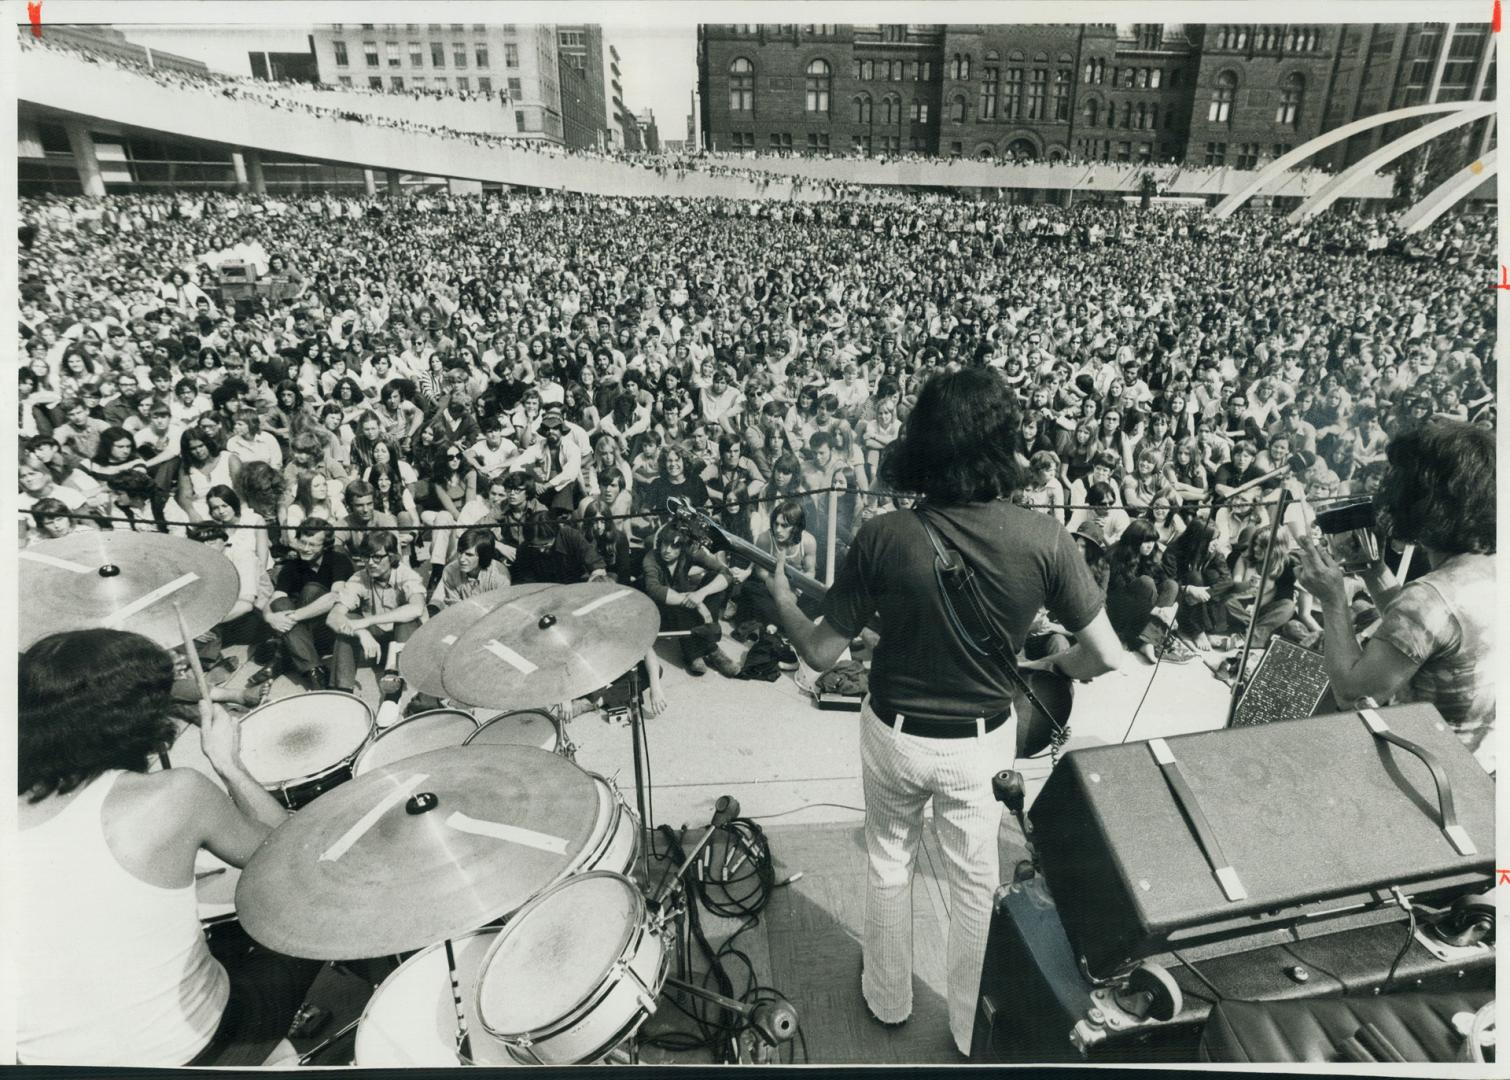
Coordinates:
<point>193,654</point>
<point>463,1040</point>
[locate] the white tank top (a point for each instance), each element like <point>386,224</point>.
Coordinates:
<point>111,970</point>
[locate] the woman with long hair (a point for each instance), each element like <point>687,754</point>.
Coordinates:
<point>604,533</point>
<point>1197,563</point>
<point>1185,475</point>
<point>116,453</point>
<point>452,483</point>
<point>1436,636</point>
<point>246,529</point>
<point>202,464</point>
<point>313,498</point>
<point>1140,595</point>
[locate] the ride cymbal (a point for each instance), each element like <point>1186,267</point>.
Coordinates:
<point>417,852</point>
<point>123,581</point>
<point>550,646</point>
<point>424,654</point>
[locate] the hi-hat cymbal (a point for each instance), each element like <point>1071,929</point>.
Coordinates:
<point>424,654</point>
<point>550,646</point>
<point>124,581</point>
<point>368,870</point>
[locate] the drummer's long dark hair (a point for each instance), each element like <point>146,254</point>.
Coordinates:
<point>956,444</point>
<point>90,701</point>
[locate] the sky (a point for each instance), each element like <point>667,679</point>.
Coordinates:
<point>658,64</point>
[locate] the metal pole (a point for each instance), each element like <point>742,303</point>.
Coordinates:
<point>1239,678</point>
<point>833,536</point>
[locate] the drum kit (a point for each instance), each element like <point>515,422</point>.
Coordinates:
<point>479,854</point>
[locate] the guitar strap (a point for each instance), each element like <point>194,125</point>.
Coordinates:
<point>966,610</point>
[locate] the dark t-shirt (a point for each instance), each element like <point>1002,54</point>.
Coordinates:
<point>294,574</point>
<point>1024,561</point>
<point>1228,476</point>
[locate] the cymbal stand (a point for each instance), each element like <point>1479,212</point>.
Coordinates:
<point>1240,678</point>
<point>642,793</point>
<point>463,1037</point>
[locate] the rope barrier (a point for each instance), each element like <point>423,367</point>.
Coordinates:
<point>655,515</point>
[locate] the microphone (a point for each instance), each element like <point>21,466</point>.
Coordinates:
<point>725,810</point>
<point>774,1021</point>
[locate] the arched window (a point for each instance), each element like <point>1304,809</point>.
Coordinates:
<point>1092,112</point>
<point>1142,117</point>
<point>1292,94</point>
<point>964,70</point>
<point>1224,38</point>
<point>1293,40</point>
<point>741,86</point>
<point>985,153</point>
<point>1060,108</point>
<point>819,78</point>
<point>954,66</point>
<point>1241,40</point>
<point>957,109</point>
<point>1222,96</point>
<point>1127,114</point>
<point>867,69</point>
<point>862,109</point>
<point>891,111</point>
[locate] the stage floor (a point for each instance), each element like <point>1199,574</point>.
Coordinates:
<point>796,770</point>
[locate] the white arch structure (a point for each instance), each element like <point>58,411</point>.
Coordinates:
<point>1341,184</point>
<point>1282,164</point>
<point>1448,194</point>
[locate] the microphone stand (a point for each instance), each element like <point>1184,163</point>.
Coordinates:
<point>1240,679</point>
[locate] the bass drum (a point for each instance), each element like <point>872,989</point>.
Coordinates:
<point>410,1020</point>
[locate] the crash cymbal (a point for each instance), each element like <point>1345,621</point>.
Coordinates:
<point>423,654</point>
<point>124,581</point>
<point>417,851</point>
<point>550,646</point>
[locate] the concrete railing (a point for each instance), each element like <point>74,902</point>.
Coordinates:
<point>64,82</point>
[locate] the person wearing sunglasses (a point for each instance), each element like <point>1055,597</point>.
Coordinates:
<point>382,601</point>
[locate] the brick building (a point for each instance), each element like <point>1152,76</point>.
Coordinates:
<point>584,114</point>
<point>1235,95</point>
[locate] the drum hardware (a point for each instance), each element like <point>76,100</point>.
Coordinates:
<point>774,1023</point>
<point>463,1040</point>
<point>725,810</point>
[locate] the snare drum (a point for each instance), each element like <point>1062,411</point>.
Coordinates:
<point>526,727</point>
<point>433,730</point>
<point>575,972</point>
<point>302,746</point>
<point>410,1020</point>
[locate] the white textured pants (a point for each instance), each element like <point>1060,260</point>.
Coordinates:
<point>901,773</point>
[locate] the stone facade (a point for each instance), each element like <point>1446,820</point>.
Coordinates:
<point>1217,94</point>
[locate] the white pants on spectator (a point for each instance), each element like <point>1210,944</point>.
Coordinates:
<point>442,539</point>
<point>900,773</point>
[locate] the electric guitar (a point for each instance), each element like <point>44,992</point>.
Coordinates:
<point>1037,728</point>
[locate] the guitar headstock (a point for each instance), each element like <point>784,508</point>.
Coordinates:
<point>697,524</point>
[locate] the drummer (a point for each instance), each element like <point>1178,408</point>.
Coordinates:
<point>115,963</point>
<point>384,600</point>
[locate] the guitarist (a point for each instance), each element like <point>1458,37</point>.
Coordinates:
<point>938,721</point>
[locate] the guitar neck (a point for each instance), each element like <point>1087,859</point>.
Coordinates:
<point>808,586</point>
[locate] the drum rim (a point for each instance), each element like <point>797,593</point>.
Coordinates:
<point>345,761</point>
<point>634,930</point>
<point>377,735</point>
<point>378,989</point>
<point>555,723</point>
<point>616,809</point>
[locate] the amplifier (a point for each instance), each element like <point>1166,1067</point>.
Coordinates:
<point>1220,834</point>
<point>1037,1006</point>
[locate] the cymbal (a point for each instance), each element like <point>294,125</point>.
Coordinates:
<point>364,871</point>
<point>550,646</point>
<point>423,654</point>
<point>125,581</point>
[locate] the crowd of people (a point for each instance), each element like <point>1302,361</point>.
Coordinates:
<point>489,389</point>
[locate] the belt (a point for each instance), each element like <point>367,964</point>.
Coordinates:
<point>932,728</point>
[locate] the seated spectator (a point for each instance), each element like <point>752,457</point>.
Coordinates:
<point>383,600</point>
<point>304,591</point>
<point>556,552</point>
<point>1140,595</point>
<point>686,584</point>
<point>477,568</point>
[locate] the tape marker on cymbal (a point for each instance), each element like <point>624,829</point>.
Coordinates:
<point>61,564</point>
<point>600,601</point>
<point>150,598</point>
<point>510,657</point>
<point>514,834</point>
<point>370,818</point>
